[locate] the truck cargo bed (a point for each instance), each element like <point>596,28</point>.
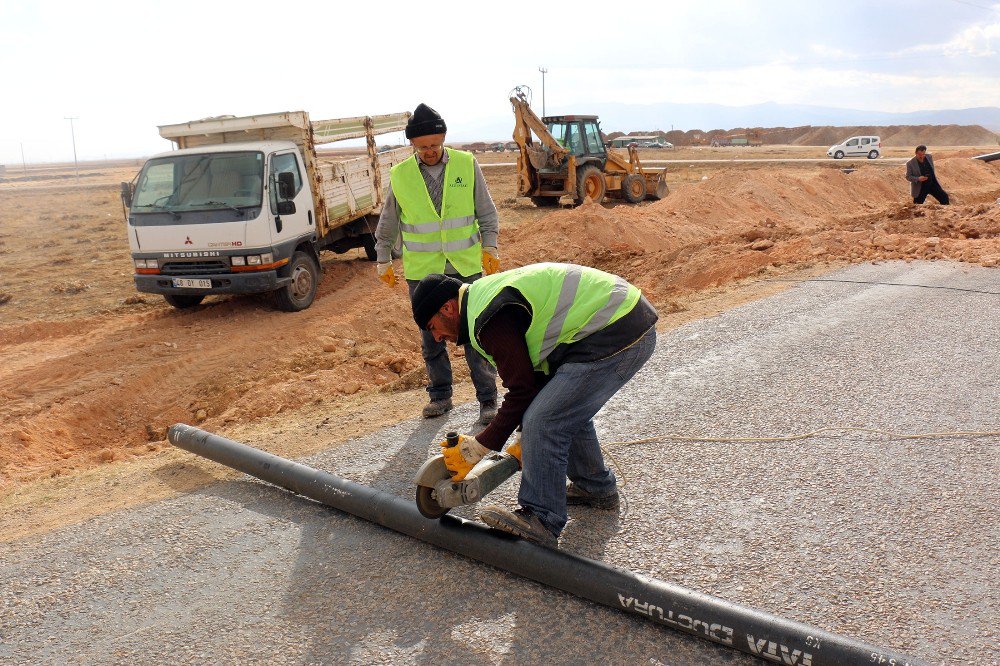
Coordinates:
<point>347,185</point>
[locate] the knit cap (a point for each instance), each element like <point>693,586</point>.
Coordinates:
<point>424,121</point>
<point>431,293</point>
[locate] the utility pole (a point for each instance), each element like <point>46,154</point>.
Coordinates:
<point>544,71</point>
<point>24,165</point>
<point>76,165</point>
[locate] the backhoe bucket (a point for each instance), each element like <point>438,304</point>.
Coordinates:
<point>656,185</point>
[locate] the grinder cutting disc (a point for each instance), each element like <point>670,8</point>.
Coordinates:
<point>432,472</point>
<point>427,503</point>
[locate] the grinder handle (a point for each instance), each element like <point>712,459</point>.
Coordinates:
<point>451,439</point>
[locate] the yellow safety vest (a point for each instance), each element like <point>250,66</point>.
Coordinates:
<point>430,239</point>
<point>568,303</point>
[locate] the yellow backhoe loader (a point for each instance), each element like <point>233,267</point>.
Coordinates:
<point>570,158</point>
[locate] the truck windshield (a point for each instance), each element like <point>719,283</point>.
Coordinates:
<point>200,182</point>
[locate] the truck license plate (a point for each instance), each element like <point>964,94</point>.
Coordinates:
<point>192,283</point>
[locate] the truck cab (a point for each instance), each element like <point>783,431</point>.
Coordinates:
<point>215,219</point>
<point>246,204</point>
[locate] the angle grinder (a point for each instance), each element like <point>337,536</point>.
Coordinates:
<point>438,493</point>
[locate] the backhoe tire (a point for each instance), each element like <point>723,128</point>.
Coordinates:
<point>299,294</point>
<point>182,302</point>
<point>633,188</point>
<point>590,183</point>
<point>545,202</point>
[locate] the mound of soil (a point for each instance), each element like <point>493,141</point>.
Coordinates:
<point>738,223</point>
<point>892,135</point>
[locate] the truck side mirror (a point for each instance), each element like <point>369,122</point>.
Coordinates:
<point>126,190</point>
<point>286,208</point>
<point>286,185</point>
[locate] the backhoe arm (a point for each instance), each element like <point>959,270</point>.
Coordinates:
<point>532,157</point>
<point>525,120</point>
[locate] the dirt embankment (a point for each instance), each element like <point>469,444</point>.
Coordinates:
<point>827,135</point>
<point>737,224</point>
<point>98,373</point>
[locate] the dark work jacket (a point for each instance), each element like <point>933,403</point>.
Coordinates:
<point>502,329</point>
<point>913,173</point>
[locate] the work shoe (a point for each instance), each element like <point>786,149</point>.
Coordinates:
<point>576,495</point>
<point>520,522</point>
<point>487,412</point>
<point>436,408</point>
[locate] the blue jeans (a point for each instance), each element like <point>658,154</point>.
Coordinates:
<point>559,439</point>
<point>438,363</point>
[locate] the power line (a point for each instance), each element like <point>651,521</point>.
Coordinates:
<point>72,132</point>
<point>972,4</point>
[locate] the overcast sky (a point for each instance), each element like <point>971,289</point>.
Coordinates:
<point>122,68</point>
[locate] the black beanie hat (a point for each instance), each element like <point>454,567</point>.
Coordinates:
<point>431,293</point>
<point>424,121</point>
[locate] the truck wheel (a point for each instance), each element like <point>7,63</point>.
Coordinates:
<point>839,155</point>
<point>545,202</point>
<point>300,292</point>
<point>181,302</point>
<point>590,183</point>
<point>633,188</point>
<point>368,242</point>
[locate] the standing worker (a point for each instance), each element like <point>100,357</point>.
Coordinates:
<point>923,179</point>
<point>438,205</point>
<point>564,339</point>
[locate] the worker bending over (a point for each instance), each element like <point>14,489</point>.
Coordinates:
<point>564,339</point>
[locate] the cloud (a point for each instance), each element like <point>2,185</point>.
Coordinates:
<point>976,41</point>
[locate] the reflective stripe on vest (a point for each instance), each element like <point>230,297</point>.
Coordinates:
<point>561,312</point>
<point>430,239</point>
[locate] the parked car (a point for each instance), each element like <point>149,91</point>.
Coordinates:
<point>660,144</point>
<point>857,146</point>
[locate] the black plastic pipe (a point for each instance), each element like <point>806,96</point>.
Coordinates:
<point>754,632</point>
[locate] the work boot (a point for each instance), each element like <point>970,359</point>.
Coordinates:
<point>487,412</point>
<point>437,408</point>
<point>576,495</point>
<point>520,522</point>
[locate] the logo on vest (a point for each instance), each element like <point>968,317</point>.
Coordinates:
<point>458,182</point>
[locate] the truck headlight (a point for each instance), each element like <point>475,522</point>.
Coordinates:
<point>253,260</point>
<point>267,258</point>
<point>239,261</point>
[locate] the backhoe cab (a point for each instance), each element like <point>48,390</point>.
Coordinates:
<point>570,158</point>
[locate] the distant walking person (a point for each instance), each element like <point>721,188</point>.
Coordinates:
<point>923,180</point>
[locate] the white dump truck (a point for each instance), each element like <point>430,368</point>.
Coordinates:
<point>244,205</point>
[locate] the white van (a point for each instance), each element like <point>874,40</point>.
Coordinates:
<point>857,146</point>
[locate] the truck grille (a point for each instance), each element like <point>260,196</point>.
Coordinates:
<point>194,267</point>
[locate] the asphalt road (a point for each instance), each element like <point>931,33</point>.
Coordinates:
<point>891,541</point>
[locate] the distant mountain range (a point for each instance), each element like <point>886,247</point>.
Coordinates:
<point>618,117</point>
